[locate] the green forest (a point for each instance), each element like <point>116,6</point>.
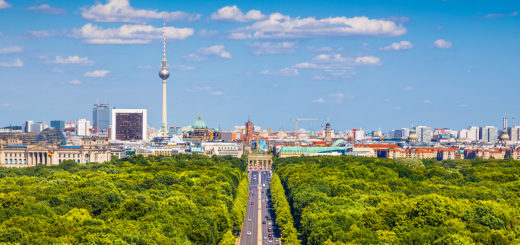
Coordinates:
<point>184,199</point>
<point>357,200</point>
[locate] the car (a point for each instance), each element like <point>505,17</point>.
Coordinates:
<point>249,219</point>
<point>263,222</point>
<point>270,229</point>
<point>249,233</point>
<point>270,235</point>
<point>252,203</point>
<point>276,240</point>
<point>265,238</point>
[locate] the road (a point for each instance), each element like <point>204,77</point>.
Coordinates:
<point>259,222</point>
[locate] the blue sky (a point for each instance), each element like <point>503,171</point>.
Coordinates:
<point>363,64</point>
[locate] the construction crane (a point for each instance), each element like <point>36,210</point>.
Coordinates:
<point>301,119</point>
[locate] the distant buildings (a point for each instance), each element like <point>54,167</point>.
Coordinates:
<point>58,124</point>
<point>424,134</point>
<point>401,133</point>
<point>129,124</point>
<point>33,127</point>
<point>83,127</point>
<point>488,134</point>
<point>100,119</point>
<point>199,132</point>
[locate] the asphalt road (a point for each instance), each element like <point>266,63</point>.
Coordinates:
<point>260,217</point>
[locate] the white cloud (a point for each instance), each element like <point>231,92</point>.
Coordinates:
<point>282,26</point>
<point>368,60</point>
<point>207,33</point>
<point>97,73</point>
<point>402,19</point>
<point>273,47</point>
<point>1,34</point>
<point>337,66</point>
<point>441,43</point>
<point>121,11</point>
<point>320,49</point>
<point>43,33</point>
<point>47,9</point>
<point>287,71</point>
<point>427,101</point>
<point>11,50</point>
<point>75,82</point>
<point>318,100</point>
<point>499,15</point>
<point>183,67</point>
<point>402,45</point>
<point>5,105</point>
<point>203,53</point>
<point>408,88</point>
<point>305,65</point>
<point>397,108</point>
<point>386,100</point>
<point>275,85</point>
<point>128,34</point>
<point>234,14</point>
<point>4,4</point>
<point>217,50</point>
<point>16,63</point>
<point>216,93</point>
<point>73,60</point>
<point>57,70</point>
<point>463,105</point>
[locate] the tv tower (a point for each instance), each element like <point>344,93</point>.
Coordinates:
<point>164,74</point>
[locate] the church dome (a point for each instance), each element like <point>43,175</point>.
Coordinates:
<point>51,136</point>
<point>504,136</point>
<point>199,124</point>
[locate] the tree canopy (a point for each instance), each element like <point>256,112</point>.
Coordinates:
<point>357,200</point>
<point>184,199</point>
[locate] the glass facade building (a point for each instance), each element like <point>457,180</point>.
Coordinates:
<point>100,119</point>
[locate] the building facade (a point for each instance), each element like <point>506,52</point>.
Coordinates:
<point>129,124</point>
<point>101,119</point>
<point>90,150</point>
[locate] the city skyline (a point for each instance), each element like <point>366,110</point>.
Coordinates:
<point>432,63</point>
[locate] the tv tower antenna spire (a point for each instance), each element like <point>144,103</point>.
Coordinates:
<point>164,74</point>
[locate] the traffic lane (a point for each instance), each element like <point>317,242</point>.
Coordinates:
<point>250,213</point>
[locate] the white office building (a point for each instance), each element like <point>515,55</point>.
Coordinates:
<point>424,134</point>
<point>83,127</point>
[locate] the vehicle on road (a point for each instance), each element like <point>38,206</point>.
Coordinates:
<point>249,233</point>
<point>249,219</point>
<point>263,222</point>
<point>252,203</point>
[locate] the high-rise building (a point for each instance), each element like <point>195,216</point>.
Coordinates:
<point>58,124</point>
<point>83,127</point>
<point>488,134</point>
<point>164,74</point>
<point>514,133</point>
<point>424,134</point>
<point>401,133</point>
<point>27,126</point>
<point>473,133</point>
<point>129,124</point>
<point>100,119</point>
<point>35,127</point>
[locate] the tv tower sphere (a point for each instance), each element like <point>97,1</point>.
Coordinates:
<point>164,73</point>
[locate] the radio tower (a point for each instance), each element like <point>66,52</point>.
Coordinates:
<point>164,74</point>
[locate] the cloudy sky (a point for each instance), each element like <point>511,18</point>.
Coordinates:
<point>364,64</point>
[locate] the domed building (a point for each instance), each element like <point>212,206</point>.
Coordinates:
<point>412,137</point>
<point>51,136</point>
<point>200,132</point>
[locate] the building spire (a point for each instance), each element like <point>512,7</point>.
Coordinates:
<point>164,41</point>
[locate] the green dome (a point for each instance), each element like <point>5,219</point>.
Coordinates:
<point>199,124</point>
